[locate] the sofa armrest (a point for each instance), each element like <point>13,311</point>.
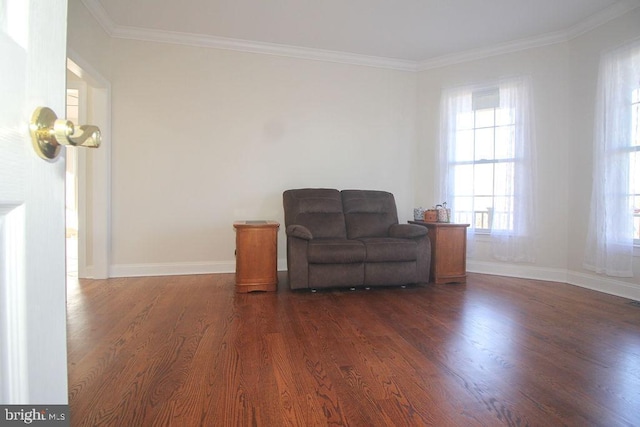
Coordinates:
<point>407,231</point>
<point>299,231</point>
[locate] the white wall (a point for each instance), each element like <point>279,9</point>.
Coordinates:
<point>203,137</point>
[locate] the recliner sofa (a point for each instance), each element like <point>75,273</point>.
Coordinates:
<point>351,238</point>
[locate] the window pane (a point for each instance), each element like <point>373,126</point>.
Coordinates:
<point>501,221</point>
<point>464,145</point>
<point>503,204</point>
<point>483,179</point>
<point>482,212</point>
<point>505,142</point>
<point>464,120</point>
<point>482,203</point>
<point>503,185</point>
<point>485,118</point>
<point>505,116</point>
<point>463,210</point>
<point>463,204</point>
<point>462,217</point>
<point>463,176</point>
<point>502,213</point>
<point>484,144</point>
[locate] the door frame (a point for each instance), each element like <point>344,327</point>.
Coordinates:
<point>98,113</point>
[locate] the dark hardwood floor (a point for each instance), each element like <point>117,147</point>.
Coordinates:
<point>189,351</point>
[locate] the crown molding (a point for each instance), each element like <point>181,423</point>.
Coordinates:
<point>95,8</point>
<point>200,40</point>
<point>591,23</point>
<point>239,45</point>
<point>494,50</point>
<point>608,14</point>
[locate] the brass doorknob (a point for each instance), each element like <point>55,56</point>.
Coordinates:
<point>48,133</point>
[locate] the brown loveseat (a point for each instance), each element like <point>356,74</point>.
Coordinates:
<point>351,238</point>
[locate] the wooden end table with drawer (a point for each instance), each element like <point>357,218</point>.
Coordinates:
<point>256,255</point>
<point>448,251</point>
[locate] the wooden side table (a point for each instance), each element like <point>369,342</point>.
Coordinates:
<point>256,255</point>
<point>448,251</point>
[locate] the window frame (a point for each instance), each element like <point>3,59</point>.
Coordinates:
<point>486,216</point>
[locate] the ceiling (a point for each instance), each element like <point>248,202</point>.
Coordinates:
<point>404,30</point>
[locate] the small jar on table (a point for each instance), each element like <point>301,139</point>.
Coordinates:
<point>256,255</point>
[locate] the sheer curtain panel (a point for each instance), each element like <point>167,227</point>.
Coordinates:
<point>487,164</point>
<point>609,247</point>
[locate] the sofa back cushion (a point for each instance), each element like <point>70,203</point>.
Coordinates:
<point>318,209</point>
<point>368,213</point>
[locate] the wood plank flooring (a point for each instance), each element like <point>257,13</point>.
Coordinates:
<point>189,351</point>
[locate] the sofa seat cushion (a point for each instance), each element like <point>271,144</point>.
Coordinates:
<point>389,249</point>
<point>335,251</point>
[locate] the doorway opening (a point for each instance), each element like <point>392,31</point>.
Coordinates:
<point>71,189</point>
<point>75,177</point>
<point>88,175</point>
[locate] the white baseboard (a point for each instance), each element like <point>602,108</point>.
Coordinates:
<point>86,272</point>
<point>517,270</point>
<point>594,282</point>
<point>178,268</point>
<point>604,284</point>
<point>171,269</point>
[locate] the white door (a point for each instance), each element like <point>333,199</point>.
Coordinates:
<point>33,360</point>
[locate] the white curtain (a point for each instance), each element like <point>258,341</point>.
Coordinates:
<point>512,230</point>
<point>610,237</point>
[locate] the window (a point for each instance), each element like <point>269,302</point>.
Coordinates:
<point>487,164</point>
<point>483,164</point>
<point>614,222</point>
